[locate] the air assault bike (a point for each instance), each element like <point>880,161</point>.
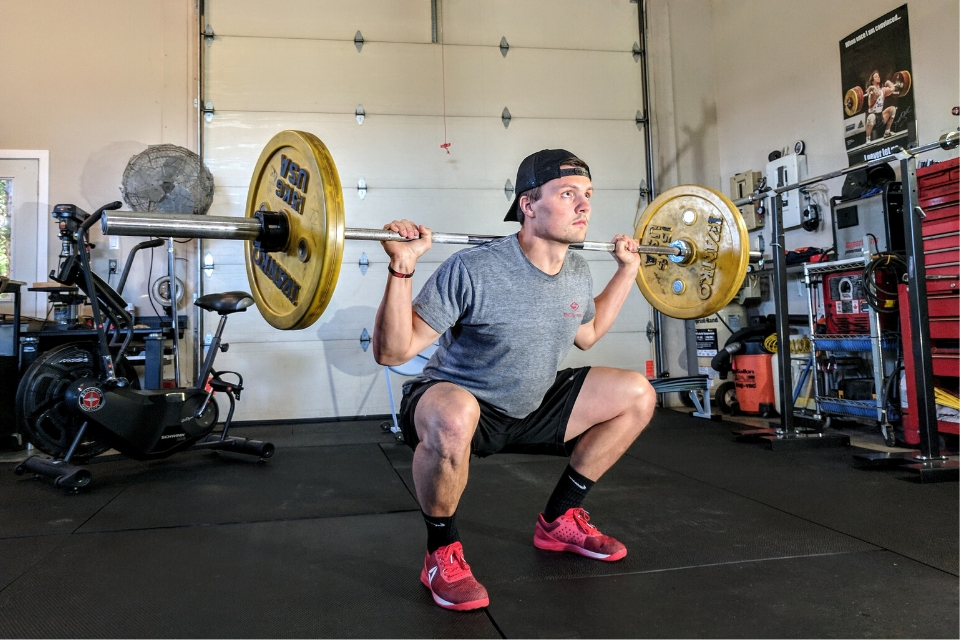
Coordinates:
<point>83,398</point>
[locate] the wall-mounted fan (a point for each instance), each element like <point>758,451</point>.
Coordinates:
<point>166,178</point>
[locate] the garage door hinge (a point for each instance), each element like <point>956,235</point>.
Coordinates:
<point>504,46</point>
<point>508,190</point>
<point>641,120</point>
<point>358,41</point>
<point>364,264</point>
<point>637,51</point>
<point>362,188</point>
<point>505,117</point>
<point>208,35</point>
<point>360,113</point>
<point>364,339</point>
<point>644,191</point>
<point>651,332</point>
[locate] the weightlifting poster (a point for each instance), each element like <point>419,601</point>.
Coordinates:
<point>878,109</point>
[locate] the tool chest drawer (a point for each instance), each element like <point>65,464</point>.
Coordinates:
<point>936,243</point>
<point>946,362</point>
<point>944,306</point>
<point>945,328</point>
<point>943,279</point>
<point>933,257</point>
<point>950,211</point>
<point>941,226</point>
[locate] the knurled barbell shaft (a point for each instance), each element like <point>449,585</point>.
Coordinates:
<point>382,235</point>
<point>166,225</point>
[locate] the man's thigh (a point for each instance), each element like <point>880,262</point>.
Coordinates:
<point>606,394</point>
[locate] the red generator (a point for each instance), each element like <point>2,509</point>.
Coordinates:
<point>845,308</point>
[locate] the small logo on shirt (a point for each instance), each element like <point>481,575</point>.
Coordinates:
<point>573,314</point>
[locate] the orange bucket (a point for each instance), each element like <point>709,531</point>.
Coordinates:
<point>753,377</point>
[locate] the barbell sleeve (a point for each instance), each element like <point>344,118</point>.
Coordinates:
<point>168,225</point>
<point>173,225</point>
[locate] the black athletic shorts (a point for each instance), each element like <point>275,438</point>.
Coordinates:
<point>541,432</point>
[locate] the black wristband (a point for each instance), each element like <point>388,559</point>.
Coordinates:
<point>397,274</point>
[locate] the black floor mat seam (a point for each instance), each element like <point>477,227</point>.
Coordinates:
<point>494,623</point>
<point>412,493</point>
<point>38,561</point>
<point>102,507</point>
<point>794,515</point>
<point>557,578</point>
<point>241,522</point>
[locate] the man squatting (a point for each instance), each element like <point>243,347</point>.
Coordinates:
<point>506,313</point>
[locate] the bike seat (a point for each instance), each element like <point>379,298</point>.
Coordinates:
<point>224,303</point>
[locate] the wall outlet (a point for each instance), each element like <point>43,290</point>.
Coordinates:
<point>113,266</point>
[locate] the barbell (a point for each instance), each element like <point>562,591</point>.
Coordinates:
<point>693,238</point>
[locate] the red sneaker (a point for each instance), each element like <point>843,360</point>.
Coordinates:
<point>573,532</point>
<point>450,580</point>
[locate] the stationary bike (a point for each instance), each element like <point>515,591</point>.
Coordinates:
<point>83,398</point>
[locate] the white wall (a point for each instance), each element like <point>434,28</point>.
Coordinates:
<point>95,83</point>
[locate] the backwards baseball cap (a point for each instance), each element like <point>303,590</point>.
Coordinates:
<point>539,168</point>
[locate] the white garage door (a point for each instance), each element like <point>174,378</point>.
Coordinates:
<point>569,79</point>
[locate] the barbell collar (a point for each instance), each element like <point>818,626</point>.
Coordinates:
<point>274,231</point>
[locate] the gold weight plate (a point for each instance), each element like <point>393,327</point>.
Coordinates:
<point>710,223</point>
<point>853,101</point>
<point>296,175</point>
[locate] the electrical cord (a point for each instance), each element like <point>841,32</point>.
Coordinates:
<point>883,300</point>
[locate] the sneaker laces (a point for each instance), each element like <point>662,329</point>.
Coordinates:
<point>582,518</point>
<point>453,566</point>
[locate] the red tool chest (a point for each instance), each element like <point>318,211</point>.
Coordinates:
<point>938,193</point>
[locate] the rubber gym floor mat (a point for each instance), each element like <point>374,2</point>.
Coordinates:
<point>666,520</point>
<point>355,576</point>
<point>19,554</point>
<point>35,507</point>
<point>316,434</point>
<point>884,507</point>
<point>197,488</point>
<point>859,595</point>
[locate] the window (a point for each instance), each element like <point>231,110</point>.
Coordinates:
<point>5,184</point>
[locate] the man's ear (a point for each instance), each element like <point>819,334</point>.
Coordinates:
<point>525,206</point>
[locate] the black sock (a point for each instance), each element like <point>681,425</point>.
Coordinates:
<point>569,493</point>
<point>440,531</point>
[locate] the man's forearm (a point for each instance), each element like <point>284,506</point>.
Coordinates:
<point>393,329</point>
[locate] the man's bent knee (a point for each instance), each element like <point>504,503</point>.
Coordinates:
<point>644,398</point>
<point>446,420</point>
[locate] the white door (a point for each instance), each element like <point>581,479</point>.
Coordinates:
<point>25,227</point>
<point>569,79</point>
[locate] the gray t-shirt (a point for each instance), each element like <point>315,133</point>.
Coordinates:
<point>506,325</point>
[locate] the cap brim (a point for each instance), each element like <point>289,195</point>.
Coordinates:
<point>512,211</point>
